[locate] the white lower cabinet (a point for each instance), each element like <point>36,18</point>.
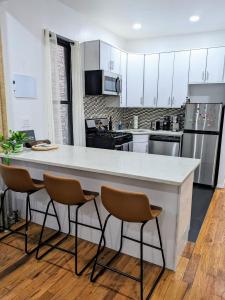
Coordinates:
<point>140,143</point>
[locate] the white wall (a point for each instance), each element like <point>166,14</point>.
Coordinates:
<point>179,42</point>
<point>22,24</point>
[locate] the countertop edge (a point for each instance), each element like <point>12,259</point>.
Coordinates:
<point>124,175</point>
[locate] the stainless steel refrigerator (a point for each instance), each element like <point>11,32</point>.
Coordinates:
<point>202,134</point>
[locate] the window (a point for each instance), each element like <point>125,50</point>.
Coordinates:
<point>65,87</point>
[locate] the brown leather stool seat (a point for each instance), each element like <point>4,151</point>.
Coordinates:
<point>68,191</point>
<point>18,179</point>
<point>135,208</point>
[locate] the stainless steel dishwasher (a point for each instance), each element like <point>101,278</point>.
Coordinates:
<point>165,145</point>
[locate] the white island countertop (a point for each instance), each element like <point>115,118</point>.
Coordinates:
<point>142,166</point>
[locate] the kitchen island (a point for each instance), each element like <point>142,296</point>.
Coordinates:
<point>167,181</point>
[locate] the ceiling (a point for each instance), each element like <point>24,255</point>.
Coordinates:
<point>158,17</point>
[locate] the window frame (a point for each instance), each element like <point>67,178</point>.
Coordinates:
<point>67,46</point>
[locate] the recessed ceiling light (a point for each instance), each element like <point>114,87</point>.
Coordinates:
<point>194,18</point>
<point>137,26</point>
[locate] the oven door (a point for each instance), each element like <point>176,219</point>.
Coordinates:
<point>112,84</point>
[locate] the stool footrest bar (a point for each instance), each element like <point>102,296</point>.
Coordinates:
<point>119,272</point>
<point>137,241</point>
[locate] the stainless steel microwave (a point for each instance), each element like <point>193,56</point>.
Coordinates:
<point>100,82</point>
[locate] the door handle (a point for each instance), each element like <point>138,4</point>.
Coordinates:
<point>169,100</point>
<point>207,78</point>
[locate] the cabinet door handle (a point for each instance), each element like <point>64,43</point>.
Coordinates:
<point>112,64</point>
<point>172,100</point>
<point>169,100</point>
<point>207,76</point>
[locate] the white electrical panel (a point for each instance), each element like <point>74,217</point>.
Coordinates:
<point>24,86</point>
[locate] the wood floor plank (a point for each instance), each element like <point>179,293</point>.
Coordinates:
<point>200,273</point>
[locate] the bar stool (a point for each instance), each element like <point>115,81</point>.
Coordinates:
<point>18,179</point>
<point>135,208</point>
<point>68,191</point>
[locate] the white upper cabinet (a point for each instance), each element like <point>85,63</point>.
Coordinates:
<point>123,72</point>
<point>165,79</point>
<point>180,78</point>
<point>215,65</point>
<point>135,80</point>
<point>198,66</point>
<point>109,58</point>
<point>99,55</point>
<point>105,57</point>
<point>115,60</point>
<point>151,75</point>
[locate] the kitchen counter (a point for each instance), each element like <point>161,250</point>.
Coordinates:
<point>167,181</point>
<point>152,132</point>
<point>142,166</point>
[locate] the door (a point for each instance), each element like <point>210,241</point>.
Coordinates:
<point>180,78</point>
<point>135,80</point>
<point>115,60</point>
<point>166,61</point>
<point>215,65</point>
<point>123,72</point>
<point>197,66</point>
<point>105,56</point>
<point>204,147</point>
<point>151,76</point>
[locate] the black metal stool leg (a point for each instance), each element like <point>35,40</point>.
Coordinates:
<point>164,263</point>
<point>141,263</point>
<point>27,222</point>
<point>29,210</point>
<point>92,278</point>
<point>76,241</point>
<point>107,265</point>
<point>40,243</point>
<point>56,215</point>
<point>2,208</point>
<point>100,222</point>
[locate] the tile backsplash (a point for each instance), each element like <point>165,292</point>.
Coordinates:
<point>96,106</point>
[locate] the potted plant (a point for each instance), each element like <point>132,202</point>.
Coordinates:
<point>6,149</point>
<point>16,140</point>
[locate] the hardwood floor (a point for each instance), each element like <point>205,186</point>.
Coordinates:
<point>200,273</point>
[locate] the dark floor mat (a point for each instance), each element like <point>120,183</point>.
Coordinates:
<point>202,196</point>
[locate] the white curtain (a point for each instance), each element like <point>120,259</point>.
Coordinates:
<point>78,103</point>
<point>52,97</point>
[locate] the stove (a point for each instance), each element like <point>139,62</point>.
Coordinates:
<point>98,136</point>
